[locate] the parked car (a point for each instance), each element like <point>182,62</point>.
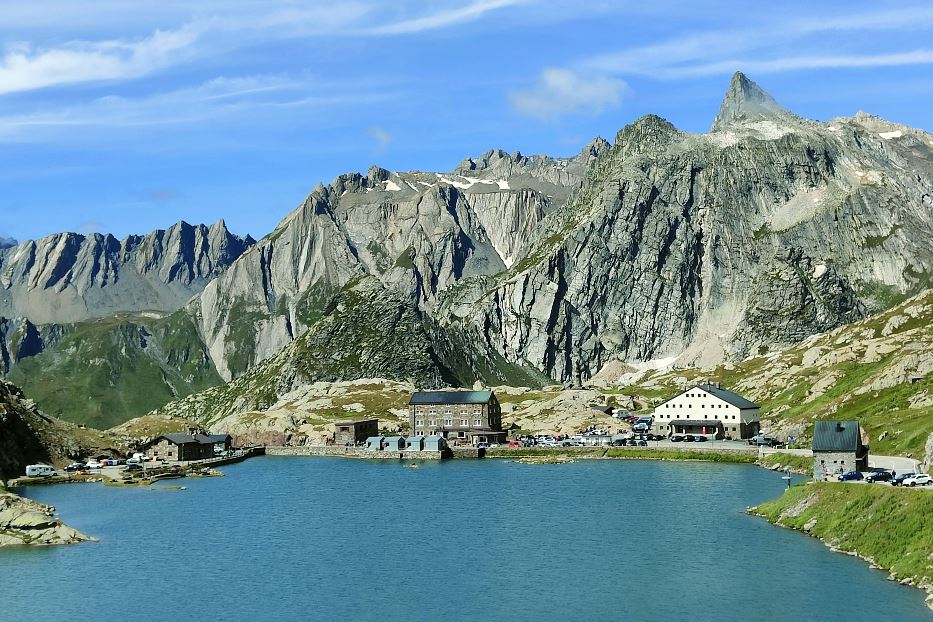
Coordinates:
<point>92,464</point>
<point>619,442</point>
<point>642,443</point>
<point>75,466</point>
<point>699,438</point>
<point>688,438</point>
<point>134,467</point>
<point>897,481</point>
<point>766,441</point>
<point>632,442</point>
<point>879,476</point>
<point>850,476</point>
<point>920,479</point>
<point>676,438</point>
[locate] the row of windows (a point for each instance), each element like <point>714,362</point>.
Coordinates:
<point>691,406</point>
<point>463,422</point>
<point>723,417</point>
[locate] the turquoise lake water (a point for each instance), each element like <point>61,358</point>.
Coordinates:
<point>286,538</point>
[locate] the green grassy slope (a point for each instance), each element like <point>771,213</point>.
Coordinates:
<point>103,372</point>
<point>889,525</point>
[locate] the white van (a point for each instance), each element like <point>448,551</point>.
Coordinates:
<point>39,470</point>
<point>137,459</point>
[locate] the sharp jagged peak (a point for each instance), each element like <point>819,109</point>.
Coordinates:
<point>747,102</point>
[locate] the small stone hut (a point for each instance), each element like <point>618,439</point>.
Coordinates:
<point>395,443</point>
<point>837,448</point>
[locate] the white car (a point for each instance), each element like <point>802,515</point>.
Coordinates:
<point>920,479</point>
<point>93,464</point>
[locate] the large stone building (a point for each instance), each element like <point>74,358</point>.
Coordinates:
<point>353,432</point>
<point>462,417</point>
<point>837,448</point>
<point>710,410</point>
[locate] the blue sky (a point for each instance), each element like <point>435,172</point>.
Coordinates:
<point>125,117</point>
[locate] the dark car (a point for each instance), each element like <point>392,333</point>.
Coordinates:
<point>897,481</point>
<point>879,476</point>
<point>676,438</point>
<point>134,467</point>
<point>632,442</point>
<point>642,443</point>
<point>619,442</point>
<point>688,438</point>
<point>850,476</point>
<point>75,466</point>
<point>700,438</point>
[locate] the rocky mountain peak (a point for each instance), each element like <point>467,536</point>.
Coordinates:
<point>7,242</point>
<point>745,102</point>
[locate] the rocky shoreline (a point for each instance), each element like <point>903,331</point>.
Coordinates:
<point>26,522</point>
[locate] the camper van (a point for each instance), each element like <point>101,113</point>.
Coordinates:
<point>39,470</point>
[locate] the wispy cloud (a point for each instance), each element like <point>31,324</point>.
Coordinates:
<point>761,48</point>
<point>217,101</point>
<point>560,91</point>
<point>382,137</point>
<point>443,19</point>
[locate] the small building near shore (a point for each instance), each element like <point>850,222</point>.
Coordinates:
<point>395,443</point>
<point>415,443</point>
<point>710,410</point>
<point>353,432</point>
<point>435,443</point>
<point>178,447</point>
<point>837,448</point>
<point>375,443</point>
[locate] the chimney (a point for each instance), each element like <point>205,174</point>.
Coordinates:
<point>839,427</point>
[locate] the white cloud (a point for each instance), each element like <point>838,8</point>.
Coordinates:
<point>24,69</point>
<point>561,91</point>
<point>797,63</point>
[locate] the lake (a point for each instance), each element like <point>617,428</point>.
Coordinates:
<point>294,538</point>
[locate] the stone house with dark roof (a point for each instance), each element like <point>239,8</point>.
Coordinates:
<point>837,448</point>
<point>709,410</point>
<point>461,417</point>
<point>178,447</point>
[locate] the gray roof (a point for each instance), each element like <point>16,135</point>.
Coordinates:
<point>836,436</point>
<point>219,438</point>
<point>728,396</point>
<point>451,397</point>
<point>188,439</point>
<point>356,422</point>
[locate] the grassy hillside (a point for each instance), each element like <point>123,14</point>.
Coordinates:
<point>890,526</point>
<point>106,371</point>
<point>878,370</point>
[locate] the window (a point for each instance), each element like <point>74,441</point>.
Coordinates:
<point>464,423</point>
<point>478,422</point>
<point>448,421</point>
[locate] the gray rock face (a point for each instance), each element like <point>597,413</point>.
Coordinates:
<point>664,244</point>
<point>747,102</point>
<point>417,233</point>
<point>759,234</point>
<point>70,277</point>
<point>6,242</point>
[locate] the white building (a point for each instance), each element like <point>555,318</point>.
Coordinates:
<point>709,410</point>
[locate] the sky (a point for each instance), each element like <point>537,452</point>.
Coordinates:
<point>123,117</point>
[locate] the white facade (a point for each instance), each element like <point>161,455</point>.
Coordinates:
<point>702,404</point>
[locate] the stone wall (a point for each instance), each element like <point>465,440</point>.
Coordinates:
<point>828,464</point>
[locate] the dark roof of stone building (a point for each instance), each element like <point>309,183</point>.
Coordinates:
<point>200,439</point>
<point>451,397</point>
<point>836,436</point>
<point>728,396</point>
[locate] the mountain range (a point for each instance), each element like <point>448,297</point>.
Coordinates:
<point>662,247</point>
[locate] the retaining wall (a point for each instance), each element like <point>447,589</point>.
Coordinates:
<point>351,452</point>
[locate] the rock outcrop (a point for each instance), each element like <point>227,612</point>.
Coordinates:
<point>25,522</point>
